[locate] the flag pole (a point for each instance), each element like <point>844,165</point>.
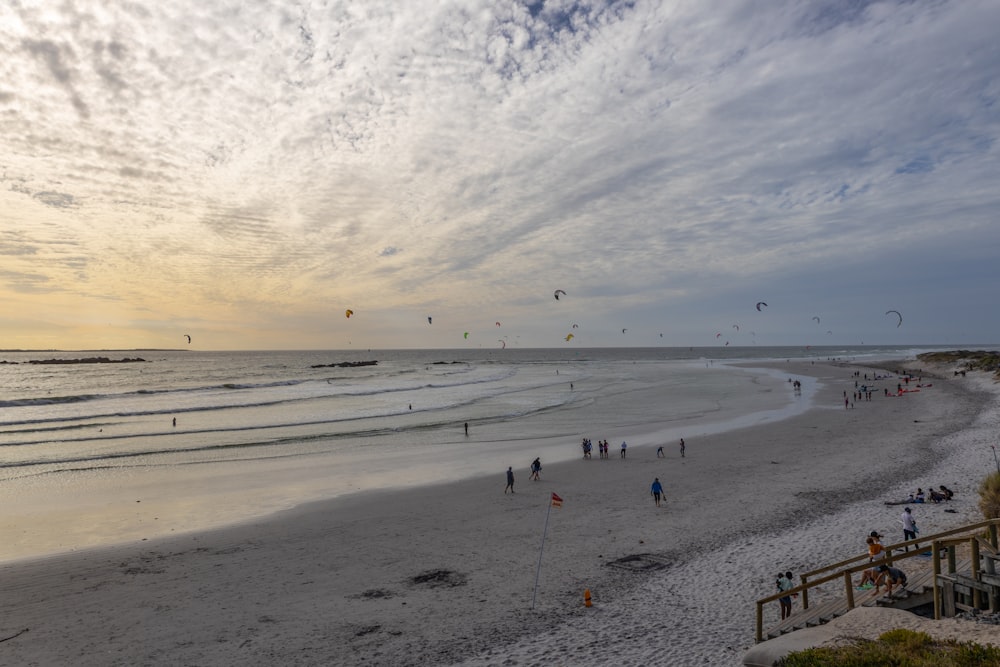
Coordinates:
<point>538,570</point>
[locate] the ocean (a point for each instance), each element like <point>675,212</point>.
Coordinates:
<point>227,435</point>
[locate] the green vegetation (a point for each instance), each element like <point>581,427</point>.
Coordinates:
<point>978,360</point>
<point>989,496</point>
<point>904,648</point>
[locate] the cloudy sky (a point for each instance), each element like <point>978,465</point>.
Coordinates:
<point>246,171</point>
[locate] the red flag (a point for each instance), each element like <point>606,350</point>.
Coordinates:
<point>556,501</point>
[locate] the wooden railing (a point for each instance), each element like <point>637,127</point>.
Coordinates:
<point>846,569</point>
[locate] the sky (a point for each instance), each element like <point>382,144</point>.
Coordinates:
<point>244,172</point>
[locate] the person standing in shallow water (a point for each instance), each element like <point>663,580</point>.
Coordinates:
<point>510,480</point>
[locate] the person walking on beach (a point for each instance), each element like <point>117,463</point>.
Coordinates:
<point>682,447</point>
<point>623,448</point>
<point>909,527</point>
<point>657,490</point>
<point>659,452</point>
<point>510,480</point>
<point>466,428</point>
<point>536,467</point>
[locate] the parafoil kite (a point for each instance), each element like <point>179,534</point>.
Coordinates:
<point>348,312</point>
<point>737,327</point>
<point>503,344</point>
<point>498,324</point>
<point>761,303</point>
<point>465,335</point>
<point>557,293</point>
<point>899,315</point>
<point>576,326</point>
<point>718,335</point>
<point>429,320</point>
<point>624,330</point>
<point>569,337</point>
<point>188,337</point>
<point>816,318</point>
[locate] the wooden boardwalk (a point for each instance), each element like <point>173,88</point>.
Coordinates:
<point>926,585</point>
<point>919,591</point>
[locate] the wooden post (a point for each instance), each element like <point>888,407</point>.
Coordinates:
<point>977,596</point>
<point>951,559</point>
<point>849,587</point>
<point>760,622</point>
<point>805,592</point>
<point>993,535</point>
<point>936,557</point>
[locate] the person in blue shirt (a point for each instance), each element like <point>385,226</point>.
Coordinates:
<point>656,490</point>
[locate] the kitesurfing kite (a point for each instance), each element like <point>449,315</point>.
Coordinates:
<point>188,337</point>
<point>816,318</point>
<point>429,320</point>
<point>624,330</point>
<point>759,304</point>
<point>899,315</point>
<point>718,335</point>
<point>569,337</point>
<point>576,326</point>
<point>557,293</point>
<point>465,335</point>
<point>737,327</point>
<point>348,312</point>
<point>503,343</point>
<point>498,324</point>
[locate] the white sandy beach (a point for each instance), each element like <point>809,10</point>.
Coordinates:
<point>444,574</point>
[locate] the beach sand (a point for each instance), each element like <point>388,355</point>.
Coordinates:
<point>445,574</point>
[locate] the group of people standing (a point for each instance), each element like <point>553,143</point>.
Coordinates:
<point>602,448</point>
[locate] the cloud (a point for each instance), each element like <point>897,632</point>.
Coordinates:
<point>655,158</point>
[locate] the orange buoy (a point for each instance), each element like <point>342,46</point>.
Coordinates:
<point>586,598</point>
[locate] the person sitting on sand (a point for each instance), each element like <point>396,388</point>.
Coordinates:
<point>889,577</point>
<point>935,496</point>
<point>948,493</point>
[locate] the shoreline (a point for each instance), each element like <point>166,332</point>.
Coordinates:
<point>445,572</point>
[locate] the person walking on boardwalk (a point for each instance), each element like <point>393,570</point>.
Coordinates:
<point>657,490</point>
<point>785,584</point>
<point>510,480</point>
<point>909,527</point>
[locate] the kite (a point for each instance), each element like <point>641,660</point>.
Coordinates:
<point>348,312</point>
<point>737,327</point>
<point>761,303</point>
<point>503,343</point>
<point>465,335</point>
<point>816,318</point>
<point>189,338</point>
<point>557,293</point>
<point>498,324</point>
<point>576,326</point>
<point>899,315</point>
<point>569,337</point>
<point>429,320</point>
<point>624,330</point>
<point>718,335</point>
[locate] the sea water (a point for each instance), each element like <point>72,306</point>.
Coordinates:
<point>213,437</point>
